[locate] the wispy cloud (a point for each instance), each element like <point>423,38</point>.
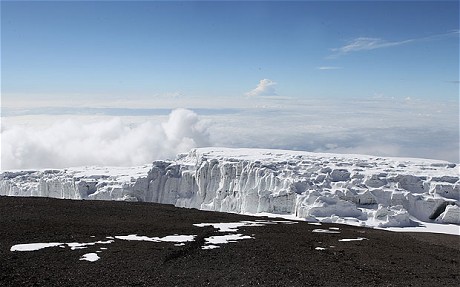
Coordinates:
<point>328,68</point>
<point>367,43</point>
<point>265,88</point>
<point>372,43</point>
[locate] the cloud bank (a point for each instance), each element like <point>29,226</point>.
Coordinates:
<point>108,142</point>
<point>381,127</point>
<point>375,126</point>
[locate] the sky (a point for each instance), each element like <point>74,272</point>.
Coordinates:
<point>309,75</point>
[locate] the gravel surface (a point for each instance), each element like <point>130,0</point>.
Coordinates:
<point>277,255</point>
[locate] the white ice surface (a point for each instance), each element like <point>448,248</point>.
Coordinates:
<point>206,247</point>
<point>336,188</point>
<point>223,227</point>
<point>34,246</point>
<point>325,231</point>
<point>135,237</point>
<point>178,238</point>
<point>429,227</point>
<point>233,226</point>
<point>223,239</point>
<point>352,239</point>
<point>230,227</point>
<point>91,257</point>
<point>77,245</point>
<point>169,238</point>
<point>72,245</point>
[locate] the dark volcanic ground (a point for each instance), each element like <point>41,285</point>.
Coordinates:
<point>279,255</point>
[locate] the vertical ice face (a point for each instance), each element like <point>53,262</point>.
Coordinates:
<point>375,191</point>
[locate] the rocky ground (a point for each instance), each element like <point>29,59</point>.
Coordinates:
<point>277,255</point>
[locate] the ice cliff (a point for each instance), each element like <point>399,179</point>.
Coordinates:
<point>366,190</point>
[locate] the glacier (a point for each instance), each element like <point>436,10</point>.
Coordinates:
<point>342,188</point>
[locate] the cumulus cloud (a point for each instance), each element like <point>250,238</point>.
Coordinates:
<point>109,142</point>
<point>265,88</point>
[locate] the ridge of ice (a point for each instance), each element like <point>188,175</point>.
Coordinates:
<point>353,189</point>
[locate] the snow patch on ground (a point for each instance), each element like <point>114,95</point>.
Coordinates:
<point>170,238</point>
<point>33,246</point>
<point>325,231</point>
<point>91,257</point>
<point>230,227</point>
<point>352,239</point>
<point>223,239</point>
<point>211,242</point>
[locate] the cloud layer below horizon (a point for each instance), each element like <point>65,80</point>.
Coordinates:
<point>111,142</point>
<point>382,127</point>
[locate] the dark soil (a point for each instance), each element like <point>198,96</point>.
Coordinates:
<point>279,255</point>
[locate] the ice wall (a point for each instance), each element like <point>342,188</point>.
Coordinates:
<point>368,190</point>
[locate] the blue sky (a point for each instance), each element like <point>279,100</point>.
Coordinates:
<point>314,49</point>
<point>100,82</point>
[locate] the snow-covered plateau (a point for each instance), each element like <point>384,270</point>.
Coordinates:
<point>353,189</point>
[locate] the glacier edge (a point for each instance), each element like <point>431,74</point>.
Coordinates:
<point>369,190</point>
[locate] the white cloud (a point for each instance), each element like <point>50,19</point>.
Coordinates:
<point>328,68</point>
<point>378,126</point>
<point>367,43</point>
<point>383,127</point>
<point>370,43</point>
<point>265,88</point>
<point>107,142</point>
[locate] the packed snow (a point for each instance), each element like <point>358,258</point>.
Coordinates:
<point>211,242</point>
<point>352,239</point>
<point>223,239</point>
<point>33,246</point>
<point>233,226</point>
<point>91,257</point>
<point>71,245</point>
<point>351,189</point>
<point>325,231</point>
<point>169,238</point>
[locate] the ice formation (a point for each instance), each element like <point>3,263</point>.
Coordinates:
<point>359,189</point>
